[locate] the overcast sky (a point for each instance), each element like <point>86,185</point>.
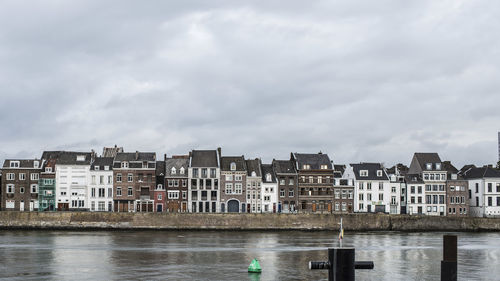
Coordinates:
<point>359,80</point>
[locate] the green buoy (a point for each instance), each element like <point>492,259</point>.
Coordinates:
<point>254,267</point>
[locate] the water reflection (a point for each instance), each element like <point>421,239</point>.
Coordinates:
<point>210,255</point>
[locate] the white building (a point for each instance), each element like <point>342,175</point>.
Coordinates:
<point>428,169</point>
<point>373,191</point>
<point>72,174</point>
<point>254,184</point>
<point>203,184</point>
<point>484,190</point>
<point>269,189</point>
<point>100,196</point>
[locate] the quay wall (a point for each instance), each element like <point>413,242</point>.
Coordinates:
<point>180,221</point>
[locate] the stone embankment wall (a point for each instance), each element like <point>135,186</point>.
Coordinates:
<point>353,222</point>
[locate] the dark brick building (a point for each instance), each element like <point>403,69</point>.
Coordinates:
<point>286,175</point>
<point>20,184</point>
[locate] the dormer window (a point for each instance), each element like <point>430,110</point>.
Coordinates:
<point>324,167</point>
<point>106,168</point>
<point>14,164</point>
<point>182,170</point>
<point>80,158</point>
<point>48,169</point>
<point>173,171</point>
<point>233,166</point>
<point>97,168</point>
<point>429,166</point>
<point>254,174</point>
<point>124,165</point>
<point>268,177</point>
<point>379,173</point>
<point>306,167</point>
<point>438,166</point>
<point>363,173</point>
<point>36,164</point>
<point>145,165</point>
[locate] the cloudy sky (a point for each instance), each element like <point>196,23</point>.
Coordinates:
<point>360,80</point>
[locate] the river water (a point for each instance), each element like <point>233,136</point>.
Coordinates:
<point>225,255</point>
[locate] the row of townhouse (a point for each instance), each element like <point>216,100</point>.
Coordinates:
<point>207,181</point>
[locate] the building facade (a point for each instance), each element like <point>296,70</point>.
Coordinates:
<point>430,169</point>
<point>484,190</point>
<point>253,186</point>
<point>134,177</point>
<point>47,186</point>
<point>287,185</point>
<point>20,184</point>
<point>315,182</point>
<point>203,181</point>
<point>176,180</point>
<point>100,181</point>
<point>233,178</point>
<point>269,189</point>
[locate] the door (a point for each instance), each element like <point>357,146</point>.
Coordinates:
<point>32,206</point>
<point>233,206</point>
<point>21,206</point>
<point>159,208</point>
<point>369,208</point>
<point>184,206</point>
<point>329,207</point>
<point>314,207</point>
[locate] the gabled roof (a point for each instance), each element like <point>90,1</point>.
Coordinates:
<point>268,169</point>
<point>225,163</point>
<point>101,162</point>
<point>204,158</point>
<point>68,157</point>
<point>479,173</point>
<point>135,156</point>
<point>313,160</point>
<point>420,161</point>
<point>284,167</point>
<point>253,165</point>
<point>23,163</point>
<point>372,169</point>
<point>176,163</point>
<point>111,151</point>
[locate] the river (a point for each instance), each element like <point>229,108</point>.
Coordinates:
<point>225,255</point>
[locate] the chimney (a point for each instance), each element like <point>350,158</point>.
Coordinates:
<point>136,155</point>
<point>219,150</point>
<point>190,154</point>
<point>165,157</point>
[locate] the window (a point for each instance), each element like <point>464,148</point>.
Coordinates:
<point>290,193</point>
<point>306,167</point>
<point>48,169</point>
<point>96,168</point>
<point>311,179</point>
<point>282,192</point>
<point>380,186</point>
<point>363,173</point>
<point>181,171</point>
<point>291,181</point>
<point>119,191</point>
<point>369,197</point>
<point>238,178</point>
<point>130,177</point>
<point>10,188</point>
<point>159,196</point>
<point>490,201</point>
<point>212,173</point>
<point>233,166</point>
<point>35,177</point>
<point>184,183</point>
<point>204,172</point>
<point>229,177</point>
<point>381,197</point>
<point>22,176</point>
<point>320,179</point>
<point>438,166</point>
<point>102,192</point>
<point>195,172</point>
<point>393,189</point>
<point>282,181</point>
<point>124,165</point>
<point>119,178</point>
<point>379,173</point>
<point>490,187</point>
<point>110,179</point>
<point>92,192</point>
<point>184,194</point>
<point>93,180</point>
<point>368,186</point>
<point>9,204</point>
<point>238,188</point>
<point>130,191</point>
<point>268,177</point>
<point>110,192</point>
<point>21,189</point>
<point>324,167</point>
<point>477,187</point>
<point>229,188</point>
<point>34,188</point>
<point>101,179</point>
<point>14,164</point>
<point>428,166</point>
<point>173,171</point>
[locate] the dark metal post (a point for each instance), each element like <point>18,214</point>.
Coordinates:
<point>342,260</point>
<point>449,262</point>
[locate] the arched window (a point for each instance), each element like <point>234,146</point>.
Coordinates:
<point>173,171</point>
<point>268,177</point>
<point>233,166</point>
<point>254,174</point>
<point>182,170</point>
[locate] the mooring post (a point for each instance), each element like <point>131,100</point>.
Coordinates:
<point>449,262</point>
<point>341,264</point>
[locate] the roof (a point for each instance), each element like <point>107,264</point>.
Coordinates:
<point>253,165</point>
<point>313,160</point>
<point>23,163</point>
<point>372,169</point>
<point>225,163</point>
<point>160,168</point>
<point>283,167</point>
<point>68,157</point>
<point>176,163</point>
<point>135,156</point>
<point>111,151</point>
<point>204,158</point>
<point>268,169</point>
<point>414,179</point>
<point>447,166</point>
<point>101,162</point>
<point>420,161</point>
<point>479,173</point>
<point>400,168</point>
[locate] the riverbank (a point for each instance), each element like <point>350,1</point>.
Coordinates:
<point>180,221</point>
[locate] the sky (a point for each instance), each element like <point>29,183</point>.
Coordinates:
<point>364,81</point>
